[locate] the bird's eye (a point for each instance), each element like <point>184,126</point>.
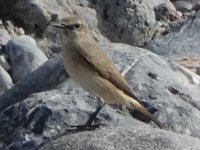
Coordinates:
<point>78,25</point>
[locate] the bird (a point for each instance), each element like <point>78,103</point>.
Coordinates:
<point>91,68</point>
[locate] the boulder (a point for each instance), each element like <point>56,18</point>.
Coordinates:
<point>24,55</point>
<point>5,80</point>
<point>118,137</point>
<point>171,89</point>
<point>182,39</point>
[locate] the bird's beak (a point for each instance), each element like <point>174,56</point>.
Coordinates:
<point>57,25</point>
<point>63,26</point>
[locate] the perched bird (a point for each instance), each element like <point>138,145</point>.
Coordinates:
<point>89,66</point>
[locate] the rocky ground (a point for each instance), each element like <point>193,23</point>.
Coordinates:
<point>156,42</point>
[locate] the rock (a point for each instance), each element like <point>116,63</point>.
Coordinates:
<point>118,137</point>
<point>49,114</point>
<point>10,28</point>
<point>49,75</point>
<point>37,14</point>
<point>197,14</point>
<point>191,62</point>
<point>4,63</point>
<point>155,3</point>
<point>164,13</point>
<point>172,43</point>
<point>24,55</point>
<point>137,28</point>
<point>191,1</point>
<point>9,25</point>
<point>43,120</point>
<point>13,30</point>
<point>131,22</point>
<point>52,38</point>
<point>5,80</point>
<point>139,24</point>
<point>183,6</point>
<point>1,23</point>
<point>155,81</point>
<point>196,7</point>
<point>19,31</point>
<point>4,37</point>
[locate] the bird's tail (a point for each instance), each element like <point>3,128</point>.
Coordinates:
<point>139,107</point>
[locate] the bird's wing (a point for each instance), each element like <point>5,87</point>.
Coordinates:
<point>94,55</point>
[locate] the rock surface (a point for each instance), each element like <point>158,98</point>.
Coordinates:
<point>4,37</point>
<point>38,111</point>
<point>169,92</point>
<point>49,114</point>
<point>183,6</point>
<point>130,22</point>
<point>191,1</point>
<point>4,63</point>
<point>5,80</point>
<point>25,56</point>
<point>183,39</point>
<point>123,138</point>
<point>49,75</point>
<point>176,100</point>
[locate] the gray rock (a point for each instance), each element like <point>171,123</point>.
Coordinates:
<point>122,138</point>
<point>37,14</point>
<point>155,3</point>
<point>134,24</point>
<point>24,55</point>
<point>1,23</point>
<point>182,39</point>
<point>183,6</point>
<point>173,91</point>
<point>9,25</point>
<point>131,22</point>
<point>191,1</point>
<point>5,80</point>
<point>197,14</point>
<point>49,75</point>
<point>162,12</point>
<point>4,37</point>
<point>50,114</point>
<point>52,38</point>
<point>4,63</point>
<point>168,87</point>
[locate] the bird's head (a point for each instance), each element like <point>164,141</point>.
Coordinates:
<point>72,26</point>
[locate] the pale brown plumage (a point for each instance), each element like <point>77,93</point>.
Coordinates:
<point>102,64</point>
<point>91,68</point>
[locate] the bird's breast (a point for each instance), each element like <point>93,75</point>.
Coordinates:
<point>85,75</point>
<point>79,70</point>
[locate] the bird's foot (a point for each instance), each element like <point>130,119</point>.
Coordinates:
<point>86,127</point>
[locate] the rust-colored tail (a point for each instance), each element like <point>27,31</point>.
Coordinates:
<point>139,107</point>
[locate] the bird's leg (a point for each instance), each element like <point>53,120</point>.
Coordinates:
<point>93,115</point>
<point>88,125</point>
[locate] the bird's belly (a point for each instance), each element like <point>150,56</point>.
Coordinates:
<point>79,70</point>
<point>86,79</point>
<point>85,76</point>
